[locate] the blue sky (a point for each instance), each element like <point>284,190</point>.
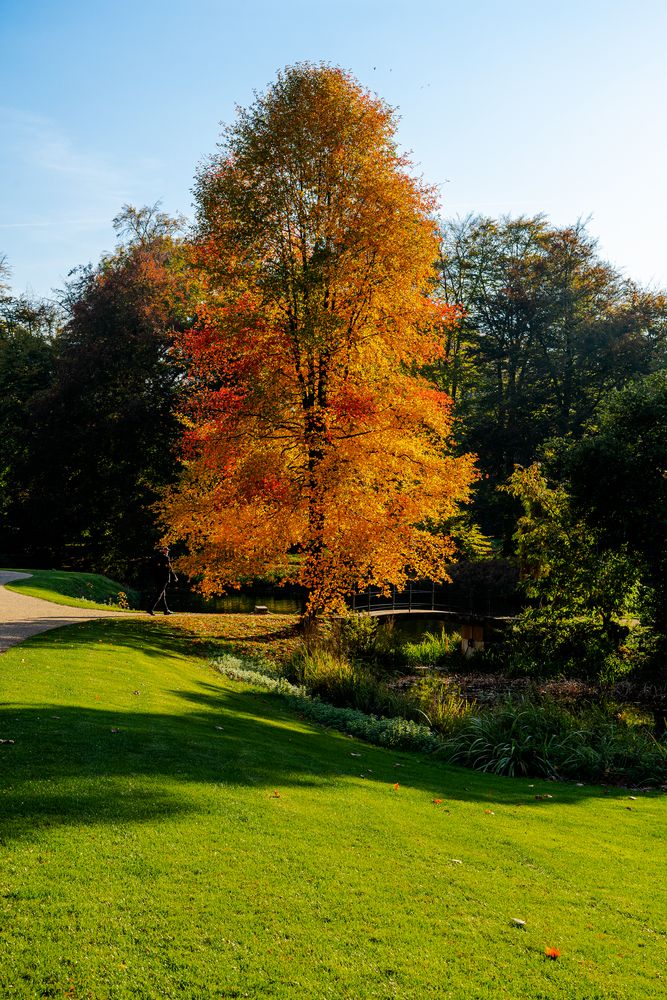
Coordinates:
<point>509,106</point>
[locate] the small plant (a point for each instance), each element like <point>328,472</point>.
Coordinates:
<point>513,740</point>
<point>358,635</point>
<point>399,733</point>
<point>122,601</point>
<point>119,601</point>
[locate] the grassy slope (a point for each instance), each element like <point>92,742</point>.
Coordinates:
<point>78,590</point>
<point>156,862</point>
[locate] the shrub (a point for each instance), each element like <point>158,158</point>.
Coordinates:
<point>532,736</point>
<point>358,635</point>
<point>333,678</point>
<point>541,643</point>
<point>515,739</point>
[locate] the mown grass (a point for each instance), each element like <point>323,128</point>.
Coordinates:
<point>165,832</point>
<point>78,590</point>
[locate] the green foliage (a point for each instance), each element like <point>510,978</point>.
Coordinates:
<point>542,740</point>
<point>548,330</point>
<point>442,704</point>
<point>433,650</point>
<point>359,635</point>
<point>381,648</point>
<point>545,642</point>
<point>582,590</point>
<point>619,484</point>
<point>397,732</point>
<point>105,426</point>
<point>527,737</point>
<point>329,675</point>
<point>27,352</point>
<point>471,542</point>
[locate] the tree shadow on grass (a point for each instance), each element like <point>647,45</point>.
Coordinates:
<point>83,766</point>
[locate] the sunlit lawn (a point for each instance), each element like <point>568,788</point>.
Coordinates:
<point>167,833</point>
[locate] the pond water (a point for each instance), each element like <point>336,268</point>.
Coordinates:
<point>235,603</point>
<point>283,602</point>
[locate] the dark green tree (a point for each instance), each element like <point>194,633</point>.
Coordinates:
<point>581,591</point>
<point>548,330</point>
<point>112,429</point>
<point>619,480</point>
<point>27,332</point>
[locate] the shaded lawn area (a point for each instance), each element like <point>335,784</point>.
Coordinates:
<point>165,832</point>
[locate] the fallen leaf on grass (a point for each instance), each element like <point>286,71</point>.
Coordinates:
<point>489,812</point>
<point>219,727</point>
<point>518,922</point>
<point>456,861</point>
<point>7,741</point>
<point>276,794</point>
<point>396,786</point>
<point>552,953</point>
<point>546,796</point>
<point>437,802</point>
<point>136,692</point>
<point>355,755</point>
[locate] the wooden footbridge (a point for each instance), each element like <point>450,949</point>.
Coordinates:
<point>479,617</point>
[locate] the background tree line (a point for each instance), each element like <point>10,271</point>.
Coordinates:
<point>549,330</point>
<point>88,428</point>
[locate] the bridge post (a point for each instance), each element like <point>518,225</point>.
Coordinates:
<point>432,595</point>
<point>410,595</point>
<point>369,600</point>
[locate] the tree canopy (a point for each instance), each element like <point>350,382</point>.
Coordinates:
<point>103,425</point>
<point>619,480</point>
<point>549,330</point>
<point>311,429</point>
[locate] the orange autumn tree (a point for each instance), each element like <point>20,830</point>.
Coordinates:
<point>309,427</point>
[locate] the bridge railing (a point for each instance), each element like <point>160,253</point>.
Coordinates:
<point>427,596</point>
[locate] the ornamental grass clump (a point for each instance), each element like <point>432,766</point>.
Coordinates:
<point>443,705</point>
<point>432,650</point>
<point>541,739</point>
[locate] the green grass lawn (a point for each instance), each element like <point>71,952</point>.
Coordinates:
<point>78,590</point>
<point>165,832</point>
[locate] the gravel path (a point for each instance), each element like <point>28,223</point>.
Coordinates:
<point>21,616</point>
